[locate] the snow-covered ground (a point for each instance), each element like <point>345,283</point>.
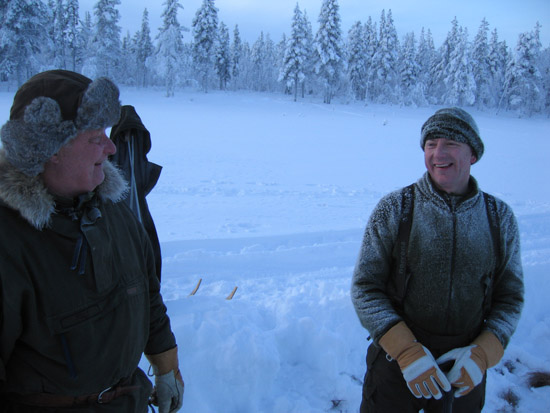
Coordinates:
<point>272,196</point>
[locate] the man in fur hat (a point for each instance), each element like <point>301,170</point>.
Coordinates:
<point>79,297</point>
<point>438,281</point>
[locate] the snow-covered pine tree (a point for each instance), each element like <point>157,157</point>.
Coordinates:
<point>236,54</point>
<point>22,37</point>
<point>309,65</point>
<point>523,86</point>
<point>74,47</point>
<point>106,39</point>
<point>459,78</point>
<point>424,58</point>
<point>223,63</point>
<point>59,31</point>
<point>169,46</point>
<point>85,35</point>
<point>412,92</point>
<point>481,67</point>
<point>205,33</point>
<point>385,62</point>
<point>128,61</point>
<point>440,69</point>
<point>371,44</point>
<point>329,57</point>
<point>144,50</point>
<point>357,60</point>
<point>265,63</point>
<point>295,54</point>
<point>544,67</point>
<point>258,58</point>
<point>498,60</point>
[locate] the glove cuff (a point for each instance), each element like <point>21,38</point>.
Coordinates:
<point>399,342</point>
<point>491,347</point>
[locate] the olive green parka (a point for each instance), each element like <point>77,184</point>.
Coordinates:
<point>79,298</point>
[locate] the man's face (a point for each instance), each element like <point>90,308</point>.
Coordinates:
<point>448,163</point>
<point>78,166</point>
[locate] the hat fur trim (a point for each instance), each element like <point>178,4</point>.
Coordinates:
<point>30,142</point>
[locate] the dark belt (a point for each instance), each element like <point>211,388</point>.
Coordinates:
<point>59,400</point>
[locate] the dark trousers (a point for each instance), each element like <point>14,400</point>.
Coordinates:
<point>385,391</point>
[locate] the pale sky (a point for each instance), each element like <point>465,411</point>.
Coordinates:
<point>509,17</point>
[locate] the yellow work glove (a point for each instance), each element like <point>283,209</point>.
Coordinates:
<point>420,370</point>
<point>169,386</point>
<point>472,361</point>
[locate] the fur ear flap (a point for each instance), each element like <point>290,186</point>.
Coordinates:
<point>100,107</point>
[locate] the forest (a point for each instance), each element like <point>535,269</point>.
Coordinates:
<point>369,63</point>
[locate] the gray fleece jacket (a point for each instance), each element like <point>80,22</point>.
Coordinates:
<point>450,255</point>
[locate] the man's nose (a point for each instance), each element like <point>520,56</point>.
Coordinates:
<point>109,147</point>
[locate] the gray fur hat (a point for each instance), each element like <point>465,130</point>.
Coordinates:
<point>455,124</point>
<point>49,110</point>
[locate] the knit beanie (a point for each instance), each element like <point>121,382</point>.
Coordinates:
<point>49,110</point>
<point>455,124</point>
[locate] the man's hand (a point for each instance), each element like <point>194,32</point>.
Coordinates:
<point>420,370</point>
<point>168,392</point>
<point>472,361</point>
<point>169,387</point>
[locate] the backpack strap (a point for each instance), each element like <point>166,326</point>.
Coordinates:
<point>400,271</point>
<point>494,225</point>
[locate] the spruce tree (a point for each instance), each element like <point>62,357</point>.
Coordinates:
<point>22,37</point>
<point>223,63</point>
<point>523,91</point>
<point>329,56</point>
<point>412,92</point>
<point>497,58</point>
<point>295,54</point>
<point>205,33</point>
<point>106,39</point>
<point>459,78</point>
<point>169,45</point>
<point>357,61</point>
<point>236,54</point>
<point>74,46</point>
<point>385,62</point>
<point>481,66</point>
<point>144,50</point>
<point>425,57</point>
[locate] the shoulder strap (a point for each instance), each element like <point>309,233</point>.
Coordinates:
<point>494,225</point>
<point>401,268</point>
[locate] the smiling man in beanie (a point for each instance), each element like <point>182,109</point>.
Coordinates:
<point>79,297</point>
<point>438,283</point>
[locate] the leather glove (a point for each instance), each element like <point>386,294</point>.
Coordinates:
<point>420,370</point>
<point>169,392</point>
<point>169,386</point>
<point>472,361</point>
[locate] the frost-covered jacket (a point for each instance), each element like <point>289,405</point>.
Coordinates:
<point>79,297</point>
<point>450,256</point>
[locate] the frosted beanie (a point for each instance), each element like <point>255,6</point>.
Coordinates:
<point>455,124</point>
<point>49,110</point>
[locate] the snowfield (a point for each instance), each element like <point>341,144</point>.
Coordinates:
<point>272,196</point>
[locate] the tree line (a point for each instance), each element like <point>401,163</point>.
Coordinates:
<point>368,63</point>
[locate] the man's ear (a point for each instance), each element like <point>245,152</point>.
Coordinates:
<point>473,159</point>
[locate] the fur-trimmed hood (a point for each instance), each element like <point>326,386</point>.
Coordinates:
<point>31,199</point>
